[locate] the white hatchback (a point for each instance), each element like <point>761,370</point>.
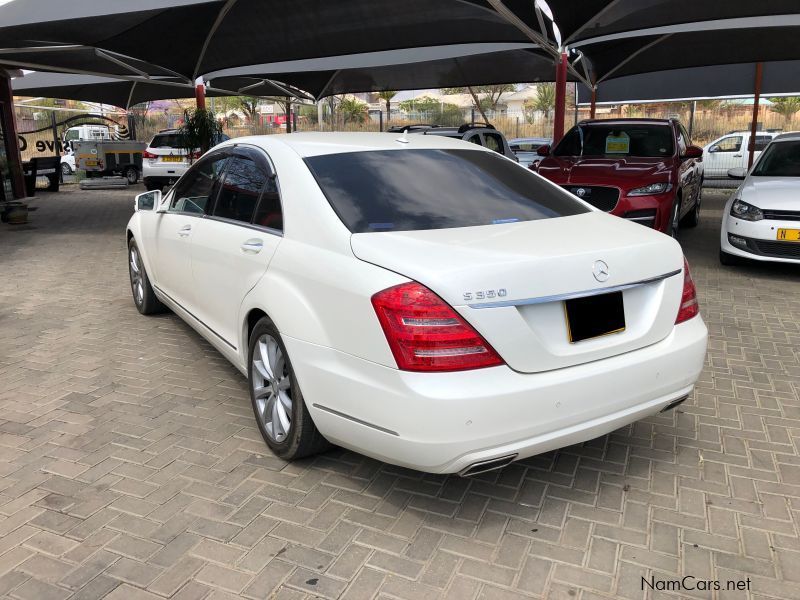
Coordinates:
<point>761,220</point>
<point>418,299</point>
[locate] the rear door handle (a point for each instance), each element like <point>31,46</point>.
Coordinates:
<point>252,246</point>
<point>185,230</point>
<point>737,156</point>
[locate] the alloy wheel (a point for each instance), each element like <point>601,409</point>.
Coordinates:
<point>272,388</point>
<point>137,282</point>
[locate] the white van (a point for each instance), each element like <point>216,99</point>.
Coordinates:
<point>86,133</point>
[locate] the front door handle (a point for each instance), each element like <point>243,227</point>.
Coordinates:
<point>252,246</point>
<point>737,156</point>
<point>185,230</point>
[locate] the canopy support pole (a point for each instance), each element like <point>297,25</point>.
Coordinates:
<point>691,118</point>
<point>593,106</point>
<point>561,98</point>
<point>200,96</point>
<point>754,125</point>
<point>11,137</point>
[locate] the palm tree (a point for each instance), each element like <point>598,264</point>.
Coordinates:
<point>545,99</point>
<point>787,107</point>
<point>386,96</point>
<point>352,109</point>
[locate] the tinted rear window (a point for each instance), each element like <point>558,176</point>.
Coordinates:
<point>404,190</point>
<point>617,139</point>
<point>169,140</point>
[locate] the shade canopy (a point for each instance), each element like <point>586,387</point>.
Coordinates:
<point>195,37</point>
<point>779,78</point>
<point>499,67</point>
<point>119,92</point>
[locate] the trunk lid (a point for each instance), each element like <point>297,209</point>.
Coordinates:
<point>535,264</point>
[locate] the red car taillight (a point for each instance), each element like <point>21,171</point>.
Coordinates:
<point>689,306</point>
<point>196,155</point>
<point>147,154</point>
<point>426,334</point>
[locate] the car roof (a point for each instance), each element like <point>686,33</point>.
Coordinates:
<point>632,121</point>
<point>789,136</point>
<point>321,143</point>
<point>529,139</point>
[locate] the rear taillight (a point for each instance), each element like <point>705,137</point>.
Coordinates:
<point>689,306</point>
<point>426,334</point>
<point>147,154</point>
<point>196,155</point>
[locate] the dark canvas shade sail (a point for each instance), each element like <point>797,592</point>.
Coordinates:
<point>119,92</point>
<point>697,83</point>
<point>194,38</point>
<point>529,65</point>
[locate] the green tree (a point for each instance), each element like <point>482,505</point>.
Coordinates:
<point>353,110</point>
<point>386,96</point>
<point>249,106</point>
<point>545,102</point>
<point>435,111</point>
<point>491,96</point>
<point>786,107</point>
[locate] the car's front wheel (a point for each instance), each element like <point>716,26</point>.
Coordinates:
<point>693,218</point>
<point>143,295</point>
<point>281,413</point>
<point>66,170</point>
<point>730,260</point>
<point>132,175</point>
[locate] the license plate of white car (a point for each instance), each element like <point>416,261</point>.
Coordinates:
<point>594,316</point>
<point>176,159</point>
<point>789,235</point>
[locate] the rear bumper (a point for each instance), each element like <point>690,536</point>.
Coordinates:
<point>444,422</point>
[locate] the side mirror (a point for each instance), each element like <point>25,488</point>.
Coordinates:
<point>148,200</point>
<point>737,173</point>
<point>543,150</point>
<point>693,152</point>
<point>714,148</point>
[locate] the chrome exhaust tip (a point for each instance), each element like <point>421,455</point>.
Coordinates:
<point>674,403</point>
<point>484,466</point>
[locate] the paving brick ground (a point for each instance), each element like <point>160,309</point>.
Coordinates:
<point>131,468</point>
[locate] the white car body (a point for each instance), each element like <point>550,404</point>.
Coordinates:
<point>163,165</point>
<point>315,280</point>
<point>731,152</point>
<point>778,199</point>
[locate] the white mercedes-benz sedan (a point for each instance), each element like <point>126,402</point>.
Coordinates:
<point>421,300</point>
<point>761,221</point>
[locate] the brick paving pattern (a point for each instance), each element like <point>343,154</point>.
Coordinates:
<point>131,468</point>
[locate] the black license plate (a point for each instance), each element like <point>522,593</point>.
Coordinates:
<point>593,316</point>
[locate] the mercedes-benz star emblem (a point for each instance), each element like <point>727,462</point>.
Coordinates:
<point>600,270</point>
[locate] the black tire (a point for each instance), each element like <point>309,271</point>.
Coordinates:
<point>66,170</point>
<point>144,298</point>
<point>674,218</point>
<point>730,260</point>
<point>693,218</point>
<point>302,438</point>
<point>132,175</point>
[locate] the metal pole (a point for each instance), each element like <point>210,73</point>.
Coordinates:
<point>575,120</point>
<point>288,115</point>
<point>691,117</point>
<point>320,115</point>
<point>561,97</point>
<point>200,96</point>
<point>593,106</point>
<point>56,145</point>
<point>380,120</point>
<point>754,124</point>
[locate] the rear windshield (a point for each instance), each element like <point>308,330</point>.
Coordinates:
<point>405,190</point>
<point>780,159</point>
<point>167,140</point>
<point>617,139</point>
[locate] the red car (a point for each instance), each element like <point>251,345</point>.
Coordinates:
<point>645,170</point>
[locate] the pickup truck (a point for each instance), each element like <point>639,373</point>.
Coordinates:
<point>731,151</point>
<point>107,157</point>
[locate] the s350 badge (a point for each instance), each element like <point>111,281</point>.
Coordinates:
<point>485,294</point>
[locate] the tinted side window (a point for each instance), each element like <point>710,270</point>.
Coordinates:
<point>762,141</point>
<point>242,186</point>
<point>493,142</point>
<point>269,212</point>
<point>475,138</point>
<point>196,190</point>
